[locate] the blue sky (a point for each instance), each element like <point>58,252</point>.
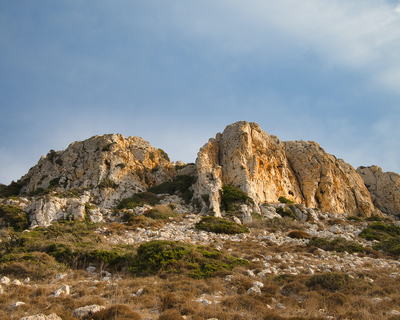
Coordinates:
<point>177,72</point>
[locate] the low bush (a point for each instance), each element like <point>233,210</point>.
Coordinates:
<point>138,200</point>
<point>284,200</point>
<point>161,212</point>
<point>296,234</point>
<point>164,155</point>
<point>338,245</point>
<point>12,216</point>
<point>232,194</point>
<point>170,314</point>
<point>328,281</point>
<point>107,183</point>
<point>181,258</point>
<point>180,184</point>
<point>219,225</point>
<point>115,312</point>
<point>285,212</point>
<point>380,231</point>
<point>13,189</point>
<point>36,265</point>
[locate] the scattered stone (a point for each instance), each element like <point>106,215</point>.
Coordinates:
<point>393,313</point>
<point>280,306</point>
<point>204,301</point>
<point>64,290</point>
<point>258,284</point>
<point>5,280</point>
<point>87,310</point>
<point>254,289</point>
<point>16,282</point>
<point>27,280</point>
<point>17,304</point>
<point>250,273</point>
<point>139,293</point>
<point>229,277</point>
<point>90,269</point>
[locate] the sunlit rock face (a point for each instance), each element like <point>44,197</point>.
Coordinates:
<point>121,166</point>
<point>384,188</point>
<point>267,168</point>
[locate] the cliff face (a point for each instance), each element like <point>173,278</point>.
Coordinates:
<point>384,188</point>
<point>266,168</point>
<point>122,165</point>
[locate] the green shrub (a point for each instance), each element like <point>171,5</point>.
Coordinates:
<point>164,154</point>
<point>160,215</point>
<point>36,265</point>
<point>284,200</point>
<point>232,195</point>
<point>374,218</point>
<point>219,225</point>
<point>107,183</point>
<point>355,218</point>
<point>13,217</point>
<point>51,155</point>
<point>328,281</point>
<point>380,231</point>
<point>54,183</point>
<point>180,185</point>
<point>338,245</point>
<point>138,200</point>
<point>256,216</point>
<point>286,212</point>
<point>107,147</point>
<point>177,257</point>
<point>296,234</point>
<point>13,189</point>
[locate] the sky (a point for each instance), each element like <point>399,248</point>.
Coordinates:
<point>177,72</point>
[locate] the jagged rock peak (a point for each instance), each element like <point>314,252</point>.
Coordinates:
<point>267,168</point>
<point>384,188</point>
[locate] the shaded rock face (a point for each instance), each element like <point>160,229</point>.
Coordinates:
<point>266,168</point>
<point>128,165</point>
<point>384,188</point>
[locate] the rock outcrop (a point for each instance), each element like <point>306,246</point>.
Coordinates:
<point>267,168</point>
<point>90,177</point>
<point>384,188</point>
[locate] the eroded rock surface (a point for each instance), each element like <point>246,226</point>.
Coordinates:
<point>384,188</point>
<point>267,168</point>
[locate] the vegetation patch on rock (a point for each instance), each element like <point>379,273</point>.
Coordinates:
<point>219,225</point>
<point>138,200</point>
<point>180,185</point>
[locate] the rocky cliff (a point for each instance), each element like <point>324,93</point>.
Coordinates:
<point>89,178</point>
<point>384,188</point>
<point>267,168</point>
<point>99,171</point>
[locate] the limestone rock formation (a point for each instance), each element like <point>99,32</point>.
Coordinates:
<point>267,168</point>
<point>384,188</point>
<point>92,176</point>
